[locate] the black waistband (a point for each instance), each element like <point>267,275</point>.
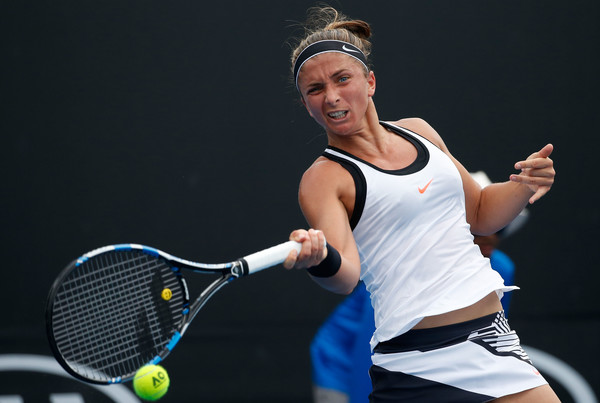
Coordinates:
<point>435,337</point>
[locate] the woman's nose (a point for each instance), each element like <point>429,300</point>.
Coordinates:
<point>331,96</point>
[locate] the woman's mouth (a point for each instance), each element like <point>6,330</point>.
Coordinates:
<point>337,114</point>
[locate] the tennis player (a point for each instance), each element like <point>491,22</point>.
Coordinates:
<point>397,210</point>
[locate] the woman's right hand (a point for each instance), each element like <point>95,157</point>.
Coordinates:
<point>313,249</point>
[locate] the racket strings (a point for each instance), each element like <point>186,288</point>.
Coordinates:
<point>109,318</point>
<point>117,339</point>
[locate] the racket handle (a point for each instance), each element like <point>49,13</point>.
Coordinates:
<point>270,257</point>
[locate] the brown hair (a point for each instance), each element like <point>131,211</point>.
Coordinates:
<point>326,23</point>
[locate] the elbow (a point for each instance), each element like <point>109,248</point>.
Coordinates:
<point>348,284</point>
<point>343,280</point>
<point>485,230</point>
<point>347,290</point>
<point>479,231</point>
<point>338,284</point>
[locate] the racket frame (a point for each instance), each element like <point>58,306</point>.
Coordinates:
<point>229,271</point>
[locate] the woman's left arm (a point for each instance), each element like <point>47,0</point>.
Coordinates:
<point>492,208</point>
<point>495,206</point>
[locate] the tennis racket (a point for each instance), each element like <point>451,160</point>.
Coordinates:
<point>120,307</point>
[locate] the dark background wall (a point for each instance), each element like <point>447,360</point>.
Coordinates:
<point>173,124</point>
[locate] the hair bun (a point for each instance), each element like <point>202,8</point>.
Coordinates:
<point>326,23</point>
<point>358,27</point>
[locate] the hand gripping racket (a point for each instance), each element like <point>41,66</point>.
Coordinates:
<point>120,307</point>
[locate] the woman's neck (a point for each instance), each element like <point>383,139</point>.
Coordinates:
<point>370,137</point>
<point>376,144</point>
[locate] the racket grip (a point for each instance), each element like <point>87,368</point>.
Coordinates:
<point>270,257</point>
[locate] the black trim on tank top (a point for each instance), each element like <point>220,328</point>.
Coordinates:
<point>360,184</point>
<point>419,163</point>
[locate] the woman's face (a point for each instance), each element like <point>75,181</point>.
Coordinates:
<point>336,91</point>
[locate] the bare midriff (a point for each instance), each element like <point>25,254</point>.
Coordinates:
<point>486,306</point>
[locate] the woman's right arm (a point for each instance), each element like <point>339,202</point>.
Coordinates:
<point>326,197</point>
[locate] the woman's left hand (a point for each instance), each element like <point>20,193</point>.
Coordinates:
<point>537,172</point>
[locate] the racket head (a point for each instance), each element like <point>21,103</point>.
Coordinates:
<point>114,310</point>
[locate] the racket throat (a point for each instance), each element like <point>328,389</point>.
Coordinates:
<point>205,296</point>
<point>240,268</point>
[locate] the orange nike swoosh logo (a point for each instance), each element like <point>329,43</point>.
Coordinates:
<point>422,190</point>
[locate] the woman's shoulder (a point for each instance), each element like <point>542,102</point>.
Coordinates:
<point>323,182</point>
<point>414,124</point>
<point>422,128</point>
<point>325,175</point>
<point>322,169</point>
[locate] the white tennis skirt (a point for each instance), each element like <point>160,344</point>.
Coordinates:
<point>474,361</point>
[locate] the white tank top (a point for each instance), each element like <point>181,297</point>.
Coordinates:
<point>417,253</point>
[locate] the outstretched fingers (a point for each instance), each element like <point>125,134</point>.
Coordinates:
<point>537,172</point>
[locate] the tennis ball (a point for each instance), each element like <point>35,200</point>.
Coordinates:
<point>151,382</point>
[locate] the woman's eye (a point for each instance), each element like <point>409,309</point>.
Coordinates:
<point>342,79</point>
<point>313,90</point>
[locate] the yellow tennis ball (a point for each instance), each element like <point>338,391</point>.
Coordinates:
<point>151,382</point>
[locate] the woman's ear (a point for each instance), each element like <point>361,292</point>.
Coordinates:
<point>371,82</point>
